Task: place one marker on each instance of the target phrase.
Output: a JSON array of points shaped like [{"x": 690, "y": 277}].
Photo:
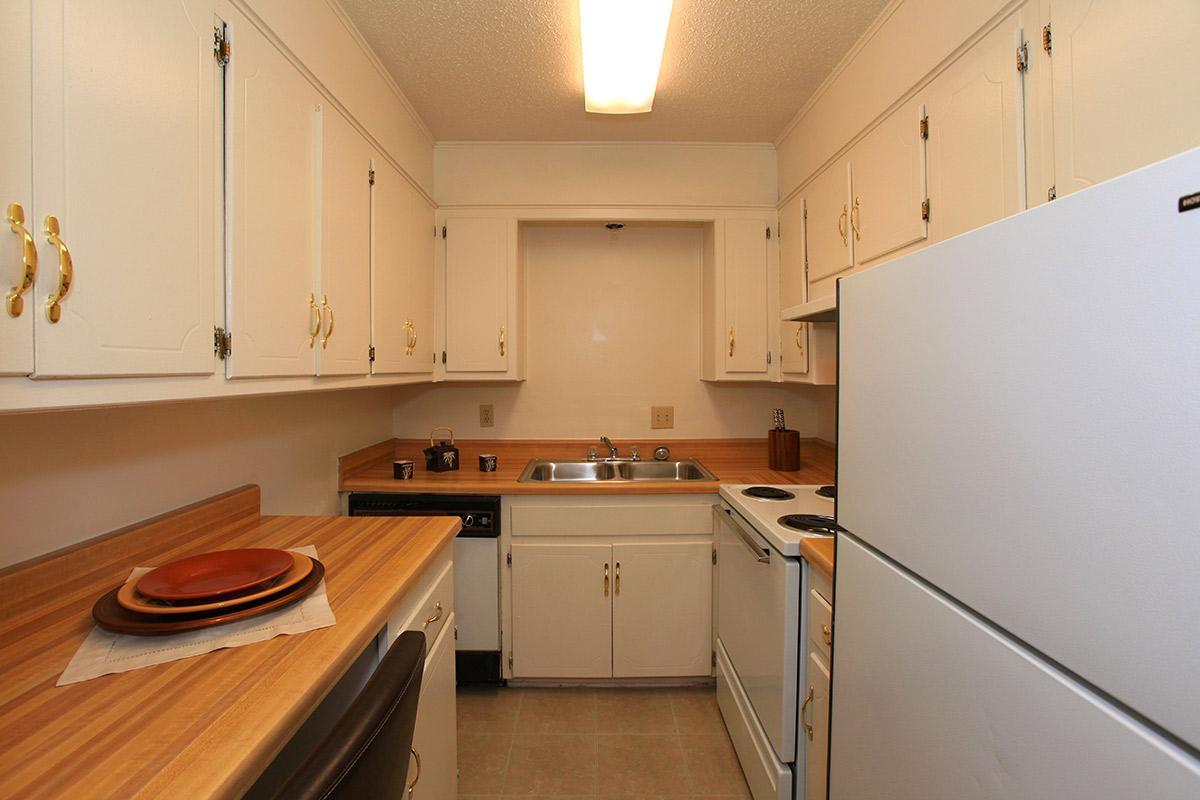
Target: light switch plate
[
  {"x": 487, "y": 415},
  {"x": 662, "y": 416}
]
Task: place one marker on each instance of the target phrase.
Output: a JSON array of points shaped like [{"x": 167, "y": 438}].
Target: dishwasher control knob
[
  {"x": 485, "y": 522},
  {"x": 469, "y": 521}
]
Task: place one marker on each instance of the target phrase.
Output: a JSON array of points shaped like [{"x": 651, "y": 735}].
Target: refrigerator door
[
  {"x": 928, "y": 702},
  {"x": 1019, "y": 425}
]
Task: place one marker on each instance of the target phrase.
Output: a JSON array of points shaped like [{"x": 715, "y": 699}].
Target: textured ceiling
[{"x": 493, "y": 70}]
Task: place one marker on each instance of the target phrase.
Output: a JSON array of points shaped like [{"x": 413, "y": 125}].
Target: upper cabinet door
[
  {"x": 976, "y": 142},
  {"x": 1126, "y": 91},
  {"x": 886, "y": 212},
  {"x": 345, "y": 284},
  {"x": 272, "y": 124},
  {"x": 126, "y": 163},
  {"x": 402, "y": 275},
  {"x": 827, "y": 228},
  {"x": 479, "y": 333},
  {"x": 793, "y": 271},
  {"x": 18, "y": 256},
  {"x": 746, "y": 302}
]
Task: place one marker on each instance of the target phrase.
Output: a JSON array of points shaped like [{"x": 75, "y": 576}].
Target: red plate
[{"x": 214, "y": 574}]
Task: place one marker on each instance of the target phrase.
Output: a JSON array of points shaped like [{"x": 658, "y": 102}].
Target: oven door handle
[{"x": 761, "y": 555}]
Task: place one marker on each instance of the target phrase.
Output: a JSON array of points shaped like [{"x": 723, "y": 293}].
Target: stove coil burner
[
  {"x": 827, "y": 491},
  {"x": 768, "y": 493},
  {"x": 811, "y": 523}
]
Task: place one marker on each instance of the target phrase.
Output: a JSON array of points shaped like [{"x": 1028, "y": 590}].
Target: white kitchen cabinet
[
  {"x": 746, "y": 301},
  {"x": 126, "y": 163},
  {"x": 888, "y": 186},
  {"x": 274, "y": 312},
  {"x": 827, "y": 238},
  {"x": 1125, "y": 87},
  {"x": 562, "y": 610},
  {"x": 344, "y": 281},
  {"x": 815, "y": 714},
  {"x": 435, "y": 737},
  {"x": 976, "y": 137},
  {"x": 482, "y": 332},
  {"x": 793, "y": 263},
  {"x": 402, "y": 233},
  {"x": 18, "y": 252},
  {"x": 662, "y": 609}
]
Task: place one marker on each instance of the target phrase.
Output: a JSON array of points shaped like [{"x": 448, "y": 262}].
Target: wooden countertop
[
  {"x": 819, "y": 553},
  {"x": 200, "y": 727},
  {"x": 731, "y": 460}
]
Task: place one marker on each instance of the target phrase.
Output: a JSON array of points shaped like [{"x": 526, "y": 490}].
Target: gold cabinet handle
[
  {"x": 799, "y": 344},
  {"x": 842, "y": 225},
  {"x": 854, "y": 219},
  {"x": 731, "y": 340},
  {"x": 417, "y": 777},
  {"x": 437, "y": 609},
  {"x": 66, "y": 271},
  {"x": 410, "y": 337},
  {"x": 617, "y": 583},
  {"x": 16, "y": 296},
  {"x": 315, "y": 311},
  {"x": 328, "y": 331},
  {"x": 606, "y": 579},
  {"x": 827, "y": 635},
  {"x": 808, "y": 728},
  {"x": 502, "y": 340}
]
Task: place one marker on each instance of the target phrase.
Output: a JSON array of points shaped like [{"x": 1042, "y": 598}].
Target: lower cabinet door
[
  {"x": 561, "y": 610},
  {"x": 662, "y": 609},
  {"x": 435, "y": 737},
  {"x": 816, "y": 715}
]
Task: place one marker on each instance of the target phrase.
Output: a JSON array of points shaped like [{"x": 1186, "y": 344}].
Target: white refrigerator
[{"x": 1017, "y": 599}]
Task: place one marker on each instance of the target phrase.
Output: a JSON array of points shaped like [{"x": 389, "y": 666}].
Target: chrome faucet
[{"x": 612, "y": 448}]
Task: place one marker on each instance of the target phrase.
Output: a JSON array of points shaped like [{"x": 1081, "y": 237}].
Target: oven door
[{"x": 758, "y": 624}]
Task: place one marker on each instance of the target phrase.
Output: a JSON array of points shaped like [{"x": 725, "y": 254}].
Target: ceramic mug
[
  {"x": 487, "y": 463},
  {"x": 402, "y": 470}
]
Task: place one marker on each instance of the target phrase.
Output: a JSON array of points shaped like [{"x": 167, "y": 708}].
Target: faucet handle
[
  {"x": 592, "y": 453},
  {"x": 633, "y": 453}
]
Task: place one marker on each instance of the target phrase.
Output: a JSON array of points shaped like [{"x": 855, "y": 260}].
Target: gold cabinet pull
[
  {"x": 827, "y": 635},
  {"x": 731, "y": 340},
  {"x": 437, "y": 609},
  {"x": 417, "y": 777},
  {"x": 410, "y": 337},
  {"x": 606, "y": 579},
  {"x": 854, "y": 219},
  {"x": 66, "y": 271},
  {"x": 314, "y": 311},
  {"x": 808, "y": 728},
  {"x": 617, "y": 582},
  {"x": 842, "y": 225},
  {"x": 799, "y": 344},
  {"x": 502, "y": 341},
  {"x": 16, "y": 296},
  {"x": 328, "y": 331}
]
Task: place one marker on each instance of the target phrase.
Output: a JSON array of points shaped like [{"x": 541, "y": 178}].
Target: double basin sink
[{"x": 542, "y": 471}]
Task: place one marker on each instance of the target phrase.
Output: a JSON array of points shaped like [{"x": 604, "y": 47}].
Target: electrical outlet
[
  {"x": 487, "y": 415},
  {"x": 662, "y": 416}
]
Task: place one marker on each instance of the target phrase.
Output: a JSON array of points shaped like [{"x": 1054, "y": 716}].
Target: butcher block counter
[
  {"x": 199, "y": 727},
  {"x": 731, "y": 460}
]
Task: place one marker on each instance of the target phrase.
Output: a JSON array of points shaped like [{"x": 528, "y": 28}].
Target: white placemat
[{"x": 105, "y": 652}]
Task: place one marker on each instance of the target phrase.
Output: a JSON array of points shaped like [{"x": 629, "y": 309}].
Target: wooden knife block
[{"x": 783, "y": 450}]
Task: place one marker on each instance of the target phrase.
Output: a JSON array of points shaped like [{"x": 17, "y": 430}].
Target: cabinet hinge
[
  {"x": 1023, "y": 57},
  {"x": 714, "y": 658},
  {"x": 925, "y": 210},
  {"x": 1046, "y": 43},
  {"x": 768, "y": 231},
  {"x": 443, "y": 357},
  {"x": 371, "y": 176},
  {"x": 508, "y": 558},
  {"x": 714, "y": 555},
  {"x": 221, "y": 48},
  {"x": 510, "y": 662},
  {"x": 443, "y": 231},
  {"x": 1052, "y": 193},
  {"x": 924, "y": 126},
  {"x": 768, "y": 357},
  {"x": 371, "y": 354},
  {"x": 222, "y": 343}
]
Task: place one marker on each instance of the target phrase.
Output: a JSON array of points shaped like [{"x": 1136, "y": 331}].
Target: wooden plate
[
  {"x": 111, "y": 615},
  {"x": 129, "y": 597},
  {"x": 210, "y": 576}
]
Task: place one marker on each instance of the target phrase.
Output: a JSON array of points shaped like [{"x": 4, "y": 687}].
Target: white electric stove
[{"x": 783, "y": 513}]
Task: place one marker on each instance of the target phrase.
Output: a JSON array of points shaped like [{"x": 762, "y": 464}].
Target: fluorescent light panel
[{"x": 623, "y": 44}]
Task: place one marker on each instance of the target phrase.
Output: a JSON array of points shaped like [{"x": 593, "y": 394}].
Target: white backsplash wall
[
  {"x": 613, "y": 328},
  {"x": 71, "y": 475}
]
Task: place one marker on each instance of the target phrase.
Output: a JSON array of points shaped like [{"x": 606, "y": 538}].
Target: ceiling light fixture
[{"x": 623, "y": 44}]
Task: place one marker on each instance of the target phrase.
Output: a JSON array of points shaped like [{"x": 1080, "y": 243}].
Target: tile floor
[{"x": 603, "y": 743}]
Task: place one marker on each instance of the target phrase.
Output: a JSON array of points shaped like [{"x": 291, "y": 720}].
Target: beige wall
[
  {"x": 71, "y": 475},
  {"x": 613, "y": 327},
  {"x": 614, "y": 173}
]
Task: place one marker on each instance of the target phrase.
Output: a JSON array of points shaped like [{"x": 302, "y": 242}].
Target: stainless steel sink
[{"x": 540, "y": 470}]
